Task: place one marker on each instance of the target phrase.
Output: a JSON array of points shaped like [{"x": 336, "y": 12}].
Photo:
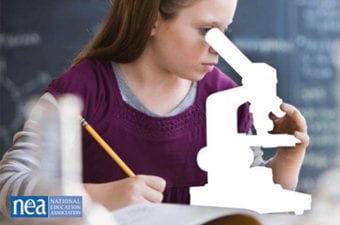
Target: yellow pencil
[{"x": 107, "y": 148}]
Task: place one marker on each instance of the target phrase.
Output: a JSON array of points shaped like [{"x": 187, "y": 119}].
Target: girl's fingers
[
  {"x": 154, "y": 182},
  {"x": 295, "y": 115},
  {"x": 151, "y": 195},
  {"x": 272, "y": 116},
  {"x": 150, "y": 188},
  {"x": 303, "y": 137}
]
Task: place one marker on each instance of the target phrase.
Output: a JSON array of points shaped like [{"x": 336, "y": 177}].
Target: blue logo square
[{"x": 29, "y": 206}]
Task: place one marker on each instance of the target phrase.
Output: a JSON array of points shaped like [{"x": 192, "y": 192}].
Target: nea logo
[{"x": 29, "y": 206}]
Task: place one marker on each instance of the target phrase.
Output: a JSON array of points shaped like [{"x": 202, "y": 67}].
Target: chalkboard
[{"x": 39, "y": 38}]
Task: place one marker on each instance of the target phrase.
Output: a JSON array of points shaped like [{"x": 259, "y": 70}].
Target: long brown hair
[{"x": 126, "y": 30}]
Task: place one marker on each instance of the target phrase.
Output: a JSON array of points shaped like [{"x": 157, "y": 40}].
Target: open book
[{"x": 175, "y": 214}]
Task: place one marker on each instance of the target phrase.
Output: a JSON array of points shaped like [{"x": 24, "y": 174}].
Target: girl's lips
[{"x": 208, "y": 66}]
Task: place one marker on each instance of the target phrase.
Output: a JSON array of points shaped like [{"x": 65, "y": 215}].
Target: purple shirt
[{"x": 165, "y": 147}]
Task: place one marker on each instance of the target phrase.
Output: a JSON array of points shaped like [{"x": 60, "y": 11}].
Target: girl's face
[{"x": 178, "y": 47}]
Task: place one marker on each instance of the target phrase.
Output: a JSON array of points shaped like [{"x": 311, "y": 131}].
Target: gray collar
[{"x": 131, "y": 99}]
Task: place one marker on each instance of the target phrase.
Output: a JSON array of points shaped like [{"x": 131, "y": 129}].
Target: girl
[{"x": 144, "y": 80}]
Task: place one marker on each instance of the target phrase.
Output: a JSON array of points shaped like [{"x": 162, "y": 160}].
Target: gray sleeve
[
  {"x": 258, "y": 159},
  {"x": 22, "y": 160}
]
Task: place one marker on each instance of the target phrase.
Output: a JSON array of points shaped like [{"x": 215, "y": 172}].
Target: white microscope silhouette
[{"x": 227, "y": 157}]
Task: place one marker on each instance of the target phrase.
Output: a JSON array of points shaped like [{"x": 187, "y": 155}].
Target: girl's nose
[{"x": 212, "y": 51}]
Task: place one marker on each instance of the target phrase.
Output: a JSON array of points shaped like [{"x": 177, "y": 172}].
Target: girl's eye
[{"x": 204, "y": 30}]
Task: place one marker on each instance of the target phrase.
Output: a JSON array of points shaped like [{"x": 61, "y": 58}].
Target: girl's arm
[{"x": 20, "y": 162}]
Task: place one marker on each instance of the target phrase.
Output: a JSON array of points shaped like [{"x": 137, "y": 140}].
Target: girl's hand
[
  {"x": 292, "y": 123},
  {"x": 128, "y": 191}
]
